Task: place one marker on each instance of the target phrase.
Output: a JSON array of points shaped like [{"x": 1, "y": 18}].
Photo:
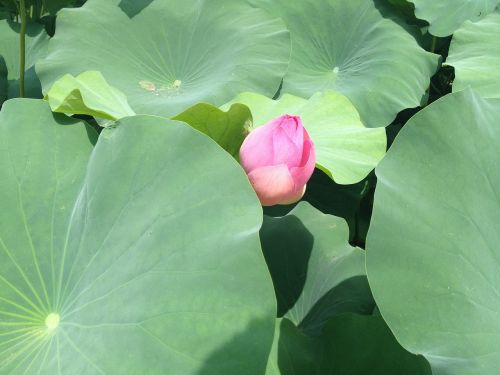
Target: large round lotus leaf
[
  {"x": 316, "y": 273},
  {"x": 345, "y": 149},
  {"x": 475, "y": 55},
  {"x": 36, "y": 47},
  {"x": 172, "y": 54},
  {"x": 446, "y": 16},
  {"x": 348, "y": 46},
  {"x": 433, "y": 259},
  {"x": 146, "y": 260}
]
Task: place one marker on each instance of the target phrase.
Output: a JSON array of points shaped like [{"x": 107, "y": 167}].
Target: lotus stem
[
  {"x": 433, "y": 47},
  {"x": 22, "y": 45}
]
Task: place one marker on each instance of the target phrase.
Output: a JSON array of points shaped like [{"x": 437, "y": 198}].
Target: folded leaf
[
  {"x": 88, "y": 94},
  {"x": 228, "y": 129}
]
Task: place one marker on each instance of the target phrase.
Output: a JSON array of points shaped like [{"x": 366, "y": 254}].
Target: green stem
[
  {"x": 22, "y": 49},
  {"x": 433, "y": 48}
]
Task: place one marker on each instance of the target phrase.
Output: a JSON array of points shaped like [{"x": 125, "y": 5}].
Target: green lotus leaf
[
  {"x": 406, "y": 11},
  {"x": 446, "y": 16},
  {"x": 36, "y": 47},
  {"x": 349, "y": 47},
  {"x": 88, "y": 94},
  {"x": 133, "y": 7},
  {"x": 349, "y": 345},
  {"x": 316, "y": 273},
  {"x": 35, "y": 7},
  {"x": 172, "y": 54},
  {"x": 53, "y": 6},
  {"x": 346, "y": 201},
  {"x": 228, "y": 129},
  {"x": 293, "y": 352},
  {"x": 475, "y": 55},
  {"x": 138, "y": 256},
  {"x": 399, "y": 3},
  {"x": 345, "y": 149},
  {"x": 357, "y": 344},
  {"x": 433, "y": 259},
  {"x": 7, "y": 8}
]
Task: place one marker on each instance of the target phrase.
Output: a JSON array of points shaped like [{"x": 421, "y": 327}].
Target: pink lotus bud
[{"x": 279, "y": 159}]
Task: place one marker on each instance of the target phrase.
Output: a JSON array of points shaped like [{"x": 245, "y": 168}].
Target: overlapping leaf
[
  {"x": 433, "y": 259},
  {"x": 475, "y": 55},
  {"x": 349, "y": 345},
  {"x": 293, "y": 352},
  {"x": 316, "y": 273},
  {"x": 446, "y": 16},
  {"x": 356, "y": 344}
]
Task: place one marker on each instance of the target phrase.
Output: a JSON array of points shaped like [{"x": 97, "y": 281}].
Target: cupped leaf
[
  {"x": 348, "y": 46},
  {"x": 433, "y": 259},
  {"x": 172, "y": 54},
  {"x": 36, "y": 48},
  {"x": 145, "y": 260},
  {"x": 316, "y": 273},
  {"x": 228, "y": 129},
  {"x": 88, "y": 94},
  {"x": 345, "y": 149},
  {"x": 475, "y": 55},
  {"x": 446, "y": 16}
]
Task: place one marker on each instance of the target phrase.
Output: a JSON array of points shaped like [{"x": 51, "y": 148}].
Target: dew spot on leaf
[{"x": 147, "y": 85}]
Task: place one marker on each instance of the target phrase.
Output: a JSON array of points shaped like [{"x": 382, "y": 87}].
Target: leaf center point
[{"x": 52, "y": 321}]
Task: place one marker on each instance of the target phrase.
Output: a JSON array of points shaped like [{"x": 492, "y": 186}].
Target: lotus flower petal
[
  {"x": 275, "y": 185},
  {"x": 279, "y": 159}
]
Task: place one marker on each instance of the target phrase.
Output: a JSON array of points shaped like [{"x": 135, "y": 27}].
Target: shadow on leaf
[
  {"x": 133, "y": 7},
  {"x": 287, "y": 245},
  {"x": 350, "y": 296},
  {"x": 245, "y": 354}
]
